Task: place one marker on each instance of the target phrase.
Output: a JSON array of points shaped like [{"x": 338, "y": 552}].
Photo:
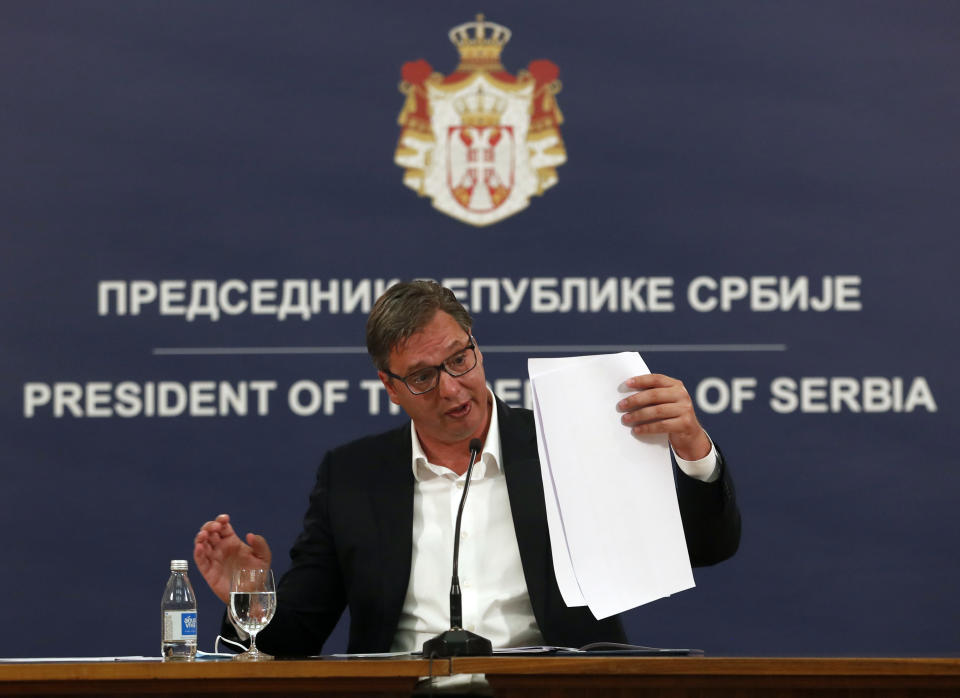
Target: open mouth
[{"x": 459, "y": 411}]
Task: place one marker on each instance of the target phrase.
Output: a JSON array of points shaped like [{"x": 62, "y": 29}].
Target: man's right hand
[{"x": 218, "y": 550}]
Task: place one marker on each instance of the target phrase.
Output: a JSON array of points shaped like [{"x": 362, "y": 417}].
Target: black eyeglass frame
[{"x": 472, "y": 346}]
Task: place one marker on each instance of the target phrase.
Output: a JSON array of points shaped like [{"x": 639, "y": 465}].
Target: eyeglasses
[{"x": 423, "y": 380}]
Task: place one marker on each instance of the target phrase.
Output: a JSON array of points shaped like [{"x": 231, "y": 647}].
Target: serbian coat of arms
[{"x": 480, "y": 141}]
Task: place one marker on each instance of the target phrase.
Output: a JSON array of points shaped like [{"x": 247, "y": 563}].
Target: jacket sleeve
[
  {"x": 311, "y": 595},
  {"x": 711, "y": 518}
]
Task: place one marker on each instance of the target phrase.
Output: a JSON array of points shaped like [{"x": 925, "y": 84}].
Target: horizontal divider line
[{"x": 490, "y": 349}]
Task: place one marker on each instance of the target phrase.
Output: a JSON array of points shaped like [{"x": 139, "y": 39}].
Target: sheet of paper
[
  {"x": 562, "y": 565},
  {"x": 615, "y": 510}
]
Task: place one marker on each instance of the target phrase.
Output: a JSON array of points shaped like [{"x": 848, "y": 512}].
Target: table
[
  {"x": 381, "y": 677},
  {"x": 686, "y": 677},
  {"x": 664, "y": 677}
]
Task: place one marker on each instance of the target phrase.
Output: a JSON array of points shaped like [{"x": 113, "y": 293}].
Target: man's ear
[{"x": 390, "y": 386}]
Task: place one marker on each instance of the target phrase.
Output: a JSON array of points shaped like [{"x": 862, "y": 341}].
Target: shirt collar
[{"x": 489, "y": 464}]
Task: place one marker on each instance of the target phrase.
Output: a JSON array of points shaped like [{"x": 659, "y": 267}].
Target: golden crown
[
  {"x": 479, "y": 43},
  {"x": 480, "y": 109}
]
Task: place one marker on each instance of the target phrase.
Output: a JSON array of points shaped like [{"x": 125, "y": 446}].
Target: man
[{"x": 378, "y": 534}]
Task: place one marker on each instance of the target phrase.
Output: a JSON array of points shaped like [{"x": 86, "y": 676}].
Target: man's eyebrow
[{"x": 453, "y": 352}]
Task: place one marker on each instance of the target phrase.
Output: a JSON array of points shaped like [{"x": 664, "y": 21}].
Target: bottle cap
[{"x": 178, "y": 565}]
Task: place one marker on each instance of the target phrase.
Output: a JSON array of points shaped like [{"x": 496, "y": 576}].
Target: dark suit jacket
[{"x": 356, "y": 544}]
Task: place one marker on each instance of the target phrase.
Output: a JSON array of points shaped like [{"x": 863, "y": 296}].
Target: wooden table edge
[
  {"x": 281, "y": 669},
  {"x": 714, "y": 666}
]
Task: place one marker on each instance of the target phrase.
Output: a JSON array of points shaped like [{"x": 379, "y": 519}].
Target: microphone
[{"x": 457, "y": 642}]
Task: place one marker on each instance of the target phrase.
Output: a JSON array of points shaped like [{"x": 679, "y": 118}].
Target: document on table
[{"x": 611, "y": 501}]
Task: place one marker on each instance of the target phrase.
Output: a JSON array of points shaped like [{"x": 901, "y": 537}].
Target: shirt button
[
  {"x": 460, "y": 484},
  {"x": 463, "y": 535},
  {"x": 471, "y": 627}
]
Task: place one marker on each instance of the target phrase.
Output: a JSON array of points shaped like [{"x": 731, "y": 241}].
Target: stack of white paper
[{"x": 611, "y": 501}]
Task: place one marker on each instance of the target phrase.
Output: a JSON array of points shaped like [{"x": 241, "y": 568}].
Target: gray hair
[{"x": 403, "y": 310}]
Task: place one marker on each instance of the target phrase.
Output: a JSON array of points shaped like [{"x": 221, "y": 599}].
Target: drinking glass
[{"x": 253, "y": 600}]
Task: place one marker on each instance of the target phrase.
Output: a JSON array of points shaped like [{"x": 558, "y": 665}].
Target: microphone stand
[{"x": 457, "y": 642}]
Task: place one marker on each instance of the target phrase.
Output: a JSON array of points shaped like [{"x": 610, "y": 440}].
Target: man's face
[{"x": 457, "y": 409}]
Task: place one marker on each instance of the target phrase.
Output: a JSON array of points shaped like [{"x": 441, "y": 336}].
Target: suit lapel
[
  {"x": 521, "y": 467},
  {"x": 391, "y": 499}
]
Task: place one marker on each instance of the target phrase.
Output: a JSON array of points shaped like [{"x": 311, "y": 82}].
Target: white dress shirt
[
  {"x": 495, "y": 600},
  {"x": 496, "y": 604}
]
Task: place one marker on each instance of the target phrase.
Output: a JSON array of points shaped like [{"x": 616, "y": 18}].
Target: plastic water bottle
[{"x": 178, "y": 611}]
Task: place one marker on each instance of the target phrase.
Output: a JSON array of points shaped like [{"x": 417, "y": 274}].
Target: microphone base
[{"x": 457, "y": 642}]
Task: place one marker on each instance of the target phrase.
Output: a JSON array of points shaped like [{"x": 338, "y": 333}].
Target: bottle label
[{"x": 179, "y": 625}]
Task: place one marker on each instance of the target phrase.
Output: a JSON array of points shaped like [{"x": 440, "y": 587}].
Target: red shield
[{"x": 480, "y": 165}]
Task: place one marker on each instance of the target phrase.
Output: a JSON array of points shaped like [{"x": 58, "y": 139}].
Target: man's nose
[{"x": 448, "y": 385}]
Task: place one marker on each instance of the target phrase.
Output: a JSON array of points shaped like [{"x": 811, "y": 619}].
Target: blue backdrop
[{"x": 159, "y": 160}]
